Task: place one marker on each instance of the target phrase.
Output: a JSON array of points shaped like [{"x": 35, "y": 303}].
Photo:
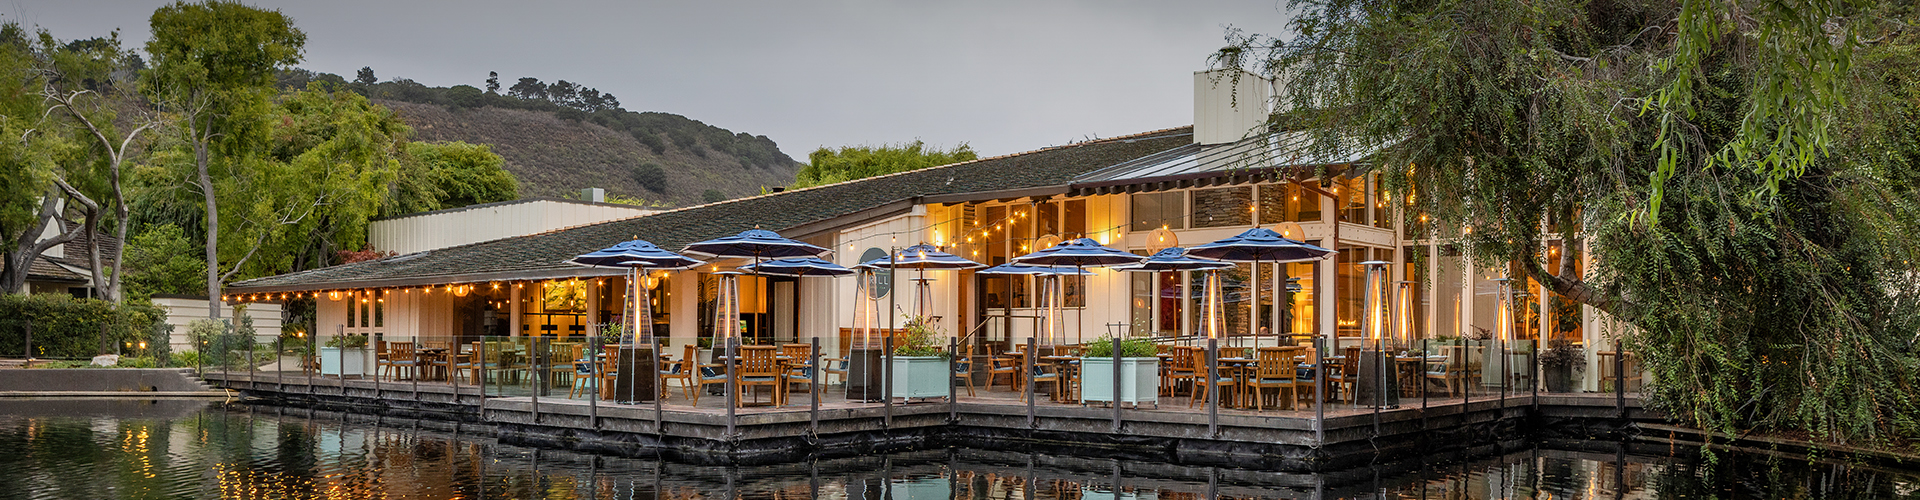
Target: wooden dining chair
[
  {"x": 759, "y": 366},
  {"x": 381, "y": 358},
  {"x": 963, "y": 366},
  {"x": 1180, "y": 370},
  {"x": 1274, "y": 368},
  {"x": 831, "y": 367},
  {"x": 401, "y": 357},
  {"x": 1201, "y": 378},
  {"x": 681, "y": 370},
  {"x": 1348, "y": 380},
  {"x": 1046, "y": 373},
  {"x": 1004, "y": 365},
  {"x": 799, "y": 369}
]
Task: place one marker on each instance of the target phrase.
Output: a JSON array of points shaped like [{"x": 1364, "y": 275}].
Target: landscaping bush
[{"x": 65, "y": 327}]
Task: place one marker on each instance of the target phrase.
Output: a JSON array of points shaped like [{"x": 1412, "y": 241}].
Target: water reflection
[{"x": 270, "y": 453}]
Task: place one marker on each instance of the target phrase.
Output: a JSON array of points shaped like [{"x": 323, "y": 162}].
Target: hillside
[{"x": 557, "y": 157}]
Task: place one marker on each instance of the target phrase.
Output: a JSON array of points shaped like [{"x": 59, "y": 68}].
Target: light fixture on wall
[
  {"x": 462, "y": 290},
  {"x": 1291, "y": 231},
  {"x": 333, "y": 295}
]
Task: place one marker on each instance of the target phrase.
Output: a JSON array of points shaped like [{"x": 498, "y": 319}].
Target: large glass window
[
  {"x": 1382, "y": 209},
  {"x": 1223, "y": 207},
  {"x": 1140, "y": 302},
  {"x": 1235, "y": 296},
  {"x": 1351, "y": 193},
  {"x": 1075, "y": 212},
  {"x": 1048, "y": 218},
  {"x": 1448, "y": 288},
  {"x": 1300, "y": 317},
  {"x": 1150, "y": 211},
  {"x": 1288, "y": 202},
  {"x": 1564, "y": 315}
]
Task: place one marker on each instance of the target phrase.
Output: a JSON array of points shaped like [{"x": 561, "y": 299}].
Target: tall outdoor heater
[
  {"x": 635, "y": 354},
  {"x": 1379, "y": 383}
]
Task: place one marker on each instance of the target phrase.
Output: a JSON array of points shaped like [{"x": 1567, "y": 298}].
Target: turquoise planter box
[
  {"x": 919, "y": 377},
  {"x": 1139, "y": 380},
  {"x": 343, "y": 361}
]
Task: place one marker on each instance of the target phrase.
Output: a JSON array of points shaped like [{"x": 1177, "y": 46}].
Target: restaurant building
[{"x": 1173, "y": 187}]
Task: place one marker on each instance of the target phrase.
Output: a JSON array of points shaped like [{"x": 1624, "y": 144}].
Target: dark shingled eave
[{"x": 796, "y": 213}]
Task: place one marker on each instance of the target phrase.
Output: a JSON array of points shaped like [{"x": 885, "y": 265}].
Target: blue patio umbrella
[
  {"x": 1259, "y": 245},
  {"x": 1177, "y": 259},
  {"x": 798, "y": 267},
  {"x": 1050, "y": 281},
  {"x": 1020, "y": 270},
  {"x": 635, "y": 256},
  {"x": 1080, "y": 253},
  {"x": 756, "y": 244},
  {"x": 1174, "y": 259}
]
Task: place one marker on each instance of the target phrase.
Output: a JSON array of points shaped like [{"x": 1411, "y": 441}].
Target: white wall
[
  {"x": 409, "y": 234},
  {"x": 266, "y": 318}
]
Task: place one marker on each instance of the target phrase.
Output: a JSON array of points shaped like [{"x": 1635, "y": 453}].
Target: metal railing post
[
  {"x": 1116, "y": 390},
  {"x": 886, "y": 383},
  {"x": 29, "y": 353},
  {"x": 252, "y": 370},
  {"x": 1620, "y": 381},
  {"x": 418, "y": 369},
  {"x": 592, "y": 355},
  {"x": 1028, "y": 359},
  {"x": 379, "y": 339},
  {"x": 453, "y": 366},
  {"x": 1213, "y": 387},
  {"x": 1319, "y": 393},
  {"x": 539, "y": 376},
  {"x": 480, "y": 365},
  {"x": 660, "y": 387},
  {"x": 953, "y": 368},
  {"x": 733, "y": 385},
  {"x": 813, "y": 388}
]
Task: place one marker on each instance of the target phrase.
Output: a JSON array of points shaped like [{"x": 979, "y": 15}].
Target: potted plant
[
  {"x": 1557, "y": 363},
  {"x": 919, "y": 368},
  {"x": 1139, "y": 371},
  {"x": 344, "y": 355}
]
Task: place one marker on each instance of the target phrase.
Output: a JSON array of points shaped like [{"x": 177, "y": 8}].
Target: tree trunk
[{"x": 213, "y": 225}]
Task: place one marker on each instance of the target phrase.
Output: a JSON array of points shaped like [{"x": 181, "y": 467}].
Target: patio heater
[
  {"x": 1378, "y": 386},
  {"x": 1212, "y": 310},
  {"x": 1403, "y": 314},
  {"x": 864, "y": 357},
  {"x": 1502, "y": 334}
]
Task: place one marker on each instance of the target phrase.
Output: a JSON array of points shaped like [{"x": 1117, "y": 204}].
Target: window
[
  {"x": 1382, "y": 210},
  {"x": 1048, "y": 218},
  {"x": 1351, "y": 193},
  {"x": 1288, "y": 202},
  {"x": 1300, "y": 316},
  {"x": 1223, "y": 207},
  {"x": 1150, "y": 211},
  {"x": 1076, "y": 217}
]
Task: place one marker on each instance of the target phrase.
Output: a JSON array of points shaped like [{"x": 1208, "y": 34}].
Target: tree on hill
[
  {"x": 365, "y": 76},
  {"x": 650, "y": 176},
  {"x": 713, "y": 196},
  {"x": 828, "y": 166},
  {"x": 1749, "y": 170},
  {"x": 493, "y": 82}
]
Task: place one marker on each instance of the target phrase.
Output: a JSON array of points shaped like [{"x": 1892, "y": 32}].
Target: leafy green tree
[
  {"x": 161, "y": 260},
  {"x": 213, "y": 69},
  {"x": 528, "y": 88},
  {"x": 35, "y": 165},
  {"x": 85, "y": 99},
  {"x": 713, "y": 196},
  {"x": 365, "y": 76},
  {"x": 650, "y": 176},
  {"x": 828, "y": 166},
  {"x": 465, "y": 174},
  {"x": 465, "y": 96},
  {"x": 1746, "y": 173},
  {"x": 493, "y": 82}
]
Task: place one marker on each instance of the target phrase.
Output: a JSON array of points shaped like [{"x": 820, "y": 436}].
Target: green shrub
[
  {"x": 1131, "y": 348},
  {"x": 72, "y": 328},
  {"x": 919, "y": 338}
]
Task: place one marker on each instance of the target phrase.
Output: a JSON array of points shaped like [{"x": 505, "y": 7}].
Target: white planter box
[
  {"x": 1139, "y": 380},
  {"x": 343, "y": 361},
  {"x": 920, "y": 377}
]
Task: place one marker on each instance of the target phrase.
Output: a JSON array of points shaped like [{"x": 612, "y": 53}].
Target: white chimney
[
  {"x": 1224, "y": 109},
  {"x": 595, "y": 195}
]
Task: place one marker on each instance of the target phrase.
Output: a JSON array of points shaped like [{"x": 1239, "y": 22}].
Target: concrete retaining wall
[{"x": 102, "y": 380}]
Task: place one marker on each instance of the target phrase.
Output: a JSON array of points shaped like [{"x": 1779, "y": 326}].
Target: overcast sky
[{"x": 1004, "y": 76}]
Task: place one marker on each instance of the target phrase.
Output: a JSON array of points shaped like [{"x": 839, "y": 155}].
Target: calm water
[{"x": 192, "y": 450}]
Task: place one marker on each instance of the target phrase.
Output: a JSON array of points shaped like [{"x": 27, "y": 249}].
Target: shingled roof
[{"x": 794, "y": 213}]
